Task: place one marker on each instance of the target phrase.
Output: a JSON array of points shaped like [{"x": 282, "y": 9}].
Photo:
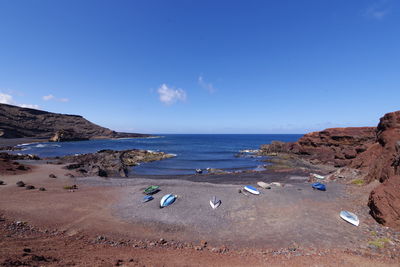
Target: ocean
[{"x": 193, "y": 151}]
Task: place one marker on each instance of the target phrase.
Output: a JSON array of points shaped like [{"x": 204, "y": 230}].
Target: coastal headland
[{"x": 64, "y": 216}]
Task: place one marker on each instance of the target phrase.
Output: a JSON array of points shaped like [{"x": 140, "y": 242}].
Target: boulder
[{"x": 67, "y": 135}]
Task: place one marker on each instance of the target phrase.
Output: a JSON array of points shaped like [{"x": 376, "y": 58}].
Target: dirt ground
[{"x": 104, "y": 221}]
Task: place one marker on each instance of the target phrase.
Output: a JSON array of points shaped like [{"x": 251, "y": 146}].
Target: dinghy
[
  {"x": 215, "y": 203},
  {"x": 147, "y": 199},
  {"x": 319, "y": 186},
  {"x": 264, "y": 185},
  {"x": 318, "y": 176},
  {"x": 167, "y": 200},
  {"x": 350, "y": 217},
  {"x": 251, "y": 189},
  {"x": 151, "y": 190}
]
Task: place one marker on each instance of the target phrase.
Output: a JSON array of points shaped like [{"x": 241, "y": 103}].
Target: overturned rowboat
[
  {"x": 167, "y": 200},
  {"x": 251, "y": 189},
  {"x": 215, "y": 203},
  {"x": 151, "y": 190},
  {"x": 147, "y": 199},
  {"x": 264, "y": 185},
  {"x": 319, "y": 186},
  {"x": 349, "y": 217}
]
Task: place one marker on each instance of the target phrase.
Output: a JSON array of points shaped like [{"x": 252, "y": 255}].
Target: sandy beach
[{"x": 293, "y": 219}]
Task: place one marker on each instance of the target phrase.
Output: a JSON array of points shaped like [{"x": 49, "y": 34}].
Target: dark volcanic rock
[
  {"x": 17, "y": 122},
  {"x": 107, "y": 163},
  {"x": 6, "y": 156},
  {"x": 20, "y": 184}
]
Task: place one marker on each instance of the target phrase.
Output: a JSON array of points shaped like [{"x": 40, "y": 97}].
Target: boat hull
[
  {"x": 251, "y": 190},
  {"x": 167, "y": 200},
  {"x": 349, "y": 217}
]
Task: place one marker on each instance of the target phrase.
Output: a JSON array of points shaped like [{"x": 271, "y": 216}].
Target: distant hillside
[{"x": 17, "y": 122}]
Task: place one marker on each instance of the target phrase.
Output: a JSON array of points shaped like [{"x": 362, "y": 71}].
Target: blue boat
[
  {"x": 147, "y": 199},
  {"x": 167, "y": 200},
  {"x": 319, "y": 186},
  {"x": 251, "y": 189}
]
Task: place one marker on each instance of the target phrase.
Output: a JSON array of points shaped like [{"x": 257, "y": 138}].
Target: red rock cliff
[
  {"x": 382, "y": 162},
  {"x": 337, "y": 146}
]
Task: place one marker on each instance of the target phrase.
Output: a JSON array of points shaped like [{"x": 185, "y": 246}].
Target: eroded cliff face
[
  {"x": 382, "y": 162},
  {"x": 337, "y": 146}
]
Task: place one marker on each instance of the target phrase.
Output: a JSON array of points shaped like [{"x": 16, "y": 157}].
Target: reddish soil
[{"x": 98, "y": 225}]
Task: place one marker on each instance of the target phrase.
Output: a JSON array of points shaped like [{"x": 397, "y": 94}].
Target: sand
[{"x": 283, "y": 217}]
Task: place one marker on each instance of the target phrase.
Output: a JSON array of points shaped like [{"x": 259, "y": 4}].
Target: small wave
[
  {"x": 27, "y": 144},
  {"x": 249, "y": 151},
  {"x": 46, "y": 145}
]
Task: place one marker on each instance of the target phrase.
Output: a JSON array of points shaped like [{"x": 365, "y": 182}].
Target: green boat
[{"x": 151, "y": 190}]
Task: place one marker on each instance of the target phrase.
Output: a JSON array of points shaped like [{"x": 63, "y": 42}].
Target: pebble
[
  {"x": 29, "y": 187},
  {"x": 52, "y": 176},
  {"x": 1, "y": 182},
  {"x": 42, "y": 189}
]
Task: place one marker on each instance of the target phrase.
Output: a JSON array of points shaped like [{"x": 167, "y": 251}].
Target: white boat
[
  {"x": 350, "y": 217},
  {"x": 318, "y": 176},
  {"x": 167, "y": 200},
  {"x": 264, "y": 185},
  {"x": 215, "y": 203},
  {"x": 251, "y": 189}
]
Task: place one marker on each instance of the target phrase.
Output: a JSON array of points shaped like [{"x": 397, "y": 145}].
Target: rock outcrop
[
  {"x": 17, "y": 122},
  {"x": 67, "y": 135},
  {"x": 382, "y": 162},
  {"x": 113, "y": 163},
  {"x": 337, "y": 146}
]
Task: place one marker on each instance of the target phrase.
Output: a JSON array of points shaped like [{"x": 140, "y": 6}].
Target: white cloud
[
  {"x": 29, "y": 106},
  {"x": 169, "y": 95},
  {"x": 208, "y": 86},
  {"x": 377, "y": 10},
  {"x": 48, "y": 97},
  {"x": 52, "y": 97},
  {"x": 8, "y": 99}
]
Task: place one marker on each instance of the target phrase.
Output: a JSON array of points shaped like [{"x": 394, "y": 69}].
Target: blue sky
[{"x": 204, "y": 66}]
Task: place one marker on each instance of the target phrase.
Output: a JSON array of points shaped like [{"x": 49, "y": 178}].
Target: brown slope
[{"x": 17, "y": 122}]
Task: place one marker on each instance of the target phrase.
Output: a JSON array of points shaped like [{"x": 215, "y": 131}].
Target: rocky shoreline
[
  {"x": 110, "y": 163},
  {"x": 369, "y": 153}
]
